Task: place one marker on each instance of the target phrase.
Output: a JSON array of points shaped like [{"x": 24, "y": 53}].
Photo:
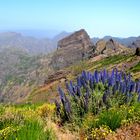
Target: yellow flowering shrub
[
  {"x": 6, "y": 133},
  {"x": 99, "y": 133},
  {"x": 89, "y": 121},
  {"x": 46, "y": 110}
]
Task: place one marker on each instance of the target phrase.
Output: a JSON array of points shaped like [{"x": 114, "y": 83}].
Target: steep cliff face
[
  {"x": 79, "y": 38},
  {"x": 72, "y": 49}
]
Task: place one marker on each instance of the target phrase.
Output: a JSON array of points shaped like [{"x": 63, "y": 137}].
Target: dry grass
[
  {"x": 131, "y": 132},
  {"x": 60, "y": 133}
]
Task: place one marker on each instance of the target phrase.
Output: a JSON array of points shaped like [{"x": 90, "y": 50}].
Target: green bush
[
  {"x": 33, "y": 130},
  {"x": 111, "y": 118}
]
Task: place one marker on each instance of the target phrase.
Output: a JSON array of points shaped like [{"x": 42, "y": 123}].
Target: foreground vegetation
[
  {"x": 24, "y": 123},
  {"x": 95, "y": 105},
  {"x": 99, "y": 103}
]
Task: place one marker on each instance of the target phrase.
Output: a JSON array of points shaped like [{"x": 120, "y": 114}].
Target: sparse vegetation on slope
[{"x": 97, "y": 111}]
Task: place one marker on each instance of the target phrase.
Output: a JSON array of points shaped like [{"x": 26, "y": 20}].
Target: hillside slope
[{"x": 33, "y": 91}]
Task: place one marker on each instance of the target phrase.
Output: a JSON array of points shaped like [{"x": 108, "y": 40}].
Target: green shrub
[
  {"x": 33, "y": 130},
  {"x": 111, "y": 118}
]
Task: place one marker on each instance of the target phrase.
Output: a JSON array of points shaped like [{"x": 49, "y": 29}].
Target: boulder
[
  {"x": 137, "y": 51},
  {"x": 61, "y": 74}
]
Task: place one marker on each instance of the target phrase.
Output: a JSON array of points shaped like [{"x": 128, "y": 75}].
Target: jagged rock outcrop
[
  {"x": 136, "y": 46},
  {"x": 137, "y": 51},
  {"x": 100, "y": 46},
  {"x": 110, "y": 47},
  {"x": 72, "y": 49},
  {"x": 61, "y": 74}
]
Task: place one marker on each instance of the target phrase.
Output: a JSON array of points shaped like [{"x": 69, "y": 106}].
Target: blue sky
[{"x": 98, "y": 17}]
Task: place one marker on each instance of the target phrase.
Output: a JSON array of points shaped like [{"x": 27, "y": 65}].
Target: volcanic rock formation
[
  {"x": 110, "y": 47},
  {"x": 72, "y": 49}
]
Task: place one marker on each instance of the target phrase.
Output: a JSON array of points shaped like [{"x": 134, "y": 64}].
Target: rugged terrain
[
  {"x": 83, "y": 90},
  {"x": 25, "y": 78}
]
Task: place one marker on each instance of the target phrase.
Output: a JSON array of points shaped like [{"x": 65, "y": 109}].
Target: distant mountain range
[
  {"x": 124, "y": 41},
  {"x": 26, "y": 41},
  {"x": 29, "y": 44}
]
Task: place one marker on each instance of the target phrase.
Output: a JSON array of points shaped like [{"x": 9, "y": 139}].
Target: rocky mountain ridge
[
  {"x": 124, "y": 41},
  {"x": 111, "y": 47},
  {"x": 72, "y": 49},
  {"x": 78, "y": 46}
]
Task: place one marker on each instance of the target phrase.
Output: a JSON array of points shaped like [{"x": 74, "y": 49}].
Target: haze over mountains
[
  {"x": 29, "y": 44},
  {"x": 37, "y": 42},
  {"x": 125, "y": 41}
]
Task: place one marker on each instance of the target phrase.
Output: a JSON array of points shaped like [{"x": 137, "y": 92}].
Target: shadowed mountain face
[{"x": 72, "y": 49}]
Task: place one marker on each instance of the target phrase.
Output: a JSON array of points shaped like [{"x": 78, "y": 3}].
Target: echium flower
[
  {"x": 79, "y": 81},
  {"x": 137, "y": 86},
  {"x": 119, "y": 77},
  {"x": 88, "y": 75},
  {"x": 71, "y": 85},
  {"x": 123, "y": 90},
  {"x": 78, "y": 91},
  {"x": 58, "y": 107},
  {"x": 113, "y": 73},
  {"x": 91, "y": 83},
  {"x": 102, "y": 77},
  {"x": 129, "y": 88},
  {"x": 116, "y": 73},
  {"x": 104, "y": 98},
  {"x": 132, "y": 86},
  {"x": 117, "y": 85},
  {"x": 109, "y": 82},
  {"x": 105, "y": 75},
  {"x": 125, "y": 79},
  {"x": 139, "y": 91},
  {"x": 83, "y": 82},
  {"x": 84, "y": 75},
  {"x": 86, "y": 99},
  {"x": 120, "y": 87},
  {"x": 114, "y": 89},
  {"x": 75, "y": 89},
  {"x": 87, "y": 91},
  {"x": 67, "y": 106},
  {"x": 114, "y": 76},
  {"x": 61, "y": 93},
  {"x": 139, "y": 97},
  {"x": 70, "y": 89},
  {"x": 129, "y": 77},
  {"x": 96, "y": 76}
]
